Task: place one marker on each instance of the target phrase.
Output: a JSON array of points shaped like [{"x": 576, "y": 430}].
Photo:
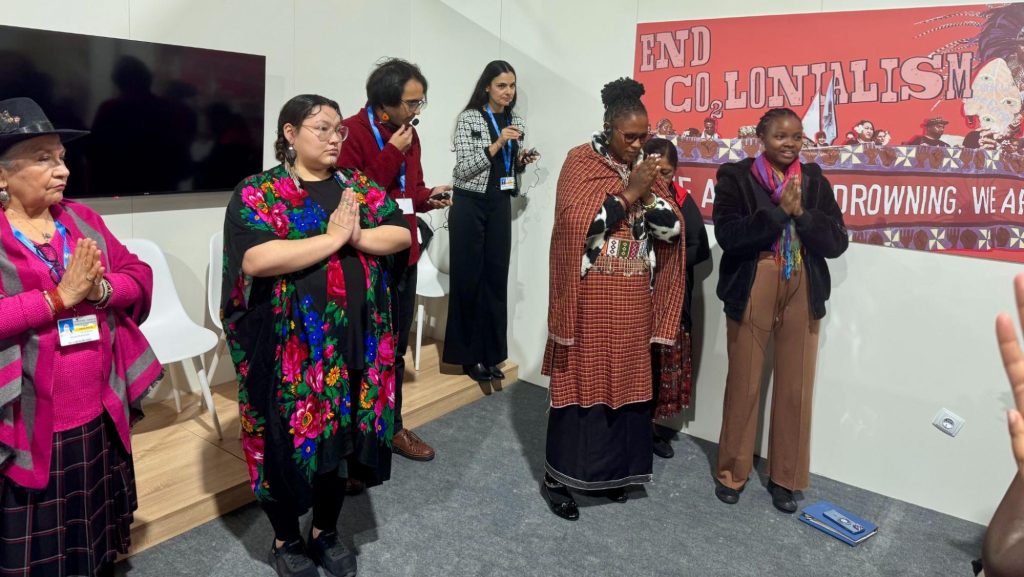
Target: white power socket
[{"x": 948, "y": 422}]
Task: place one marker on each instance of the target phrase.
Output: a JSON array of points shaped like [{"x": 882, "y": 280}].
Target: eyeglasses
[
  {"x": 323, "y": 132},
  {"x": 630, "y": 137},
  {"x": 415, "y": 105},
  {"x": 49, "y": 254}
]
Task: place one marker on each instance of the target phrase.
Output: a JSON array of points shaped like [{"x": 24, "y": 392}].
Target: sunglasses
[{"x": 53, "y": 261}]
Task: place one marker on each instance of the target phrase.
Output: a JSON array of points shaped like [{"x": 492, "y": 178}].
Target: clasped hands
[
  {"x": 792, "y": 198},
  {"x": 83, "y": 274},
  {"x": 343, "y": 225}
]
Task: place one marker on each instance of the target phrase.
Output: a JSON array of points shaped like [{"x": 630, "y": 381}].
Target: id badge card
[
  {"x": 406, "y": 205},
  {"x": 83, "y": 329},
  {"x": 507, "y": 183}
]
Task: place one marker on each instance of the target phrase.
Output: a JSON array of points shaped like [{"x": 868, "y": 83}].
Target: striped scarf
[
  {"x": 787, "y": 247},
  {"x": 27, "y": 359}
]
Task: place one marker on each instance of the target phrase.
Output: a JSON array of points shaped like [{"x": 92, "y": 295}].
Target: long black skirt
[
  {"x": 82, "y": 519},
  {"x": 597, "y": 448}
]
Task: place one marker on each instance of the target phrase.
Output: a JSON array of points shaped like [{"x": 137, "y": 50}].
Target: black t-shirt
[{"x": 327, "y": 193}]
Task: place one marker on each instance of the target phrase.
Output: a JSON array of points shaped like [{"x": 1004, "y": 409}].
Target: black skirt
[
  {"x": 597, "y": 448},
  {"x": 82, "y": 519}
]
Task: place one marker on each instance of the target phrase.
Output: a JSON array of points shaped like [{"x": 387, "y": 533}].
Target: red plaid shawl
[{"x": 585, "y": 182}]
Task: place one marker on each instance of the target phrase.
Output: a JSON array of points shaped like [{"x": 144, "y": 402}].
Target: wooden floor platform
[{"x": 186, "y": 476}]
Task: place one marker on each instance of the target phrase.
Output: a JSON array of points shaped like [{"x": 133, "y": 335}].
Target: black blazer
[{"x": 747, "y": 222}]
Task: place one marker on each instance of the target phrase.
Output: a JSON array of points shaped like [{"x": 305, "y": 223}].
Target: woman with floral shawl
[{"x": 307, "y": 312}]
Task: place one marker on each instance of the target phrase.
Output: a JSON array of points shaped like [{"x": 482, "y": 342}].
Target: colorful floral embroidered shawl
[{"x": 296, "y": 402}]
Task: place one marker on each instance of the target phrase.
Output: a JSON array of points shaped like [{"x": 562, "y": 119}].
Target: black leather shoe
[
  {"x": 560, "y": 501},
  {"x": 782, "y": 498},
  {"x": 495, "y": 372},
  {"x": 726, "y": 495},
  {"x": 291, "y": 560},
  {"x": 663, "y": 448},
  {"x": 478, "y": 372},
  {"x": 619, "y": 495},
  {"x": 354, "y": 486},
  {"x": 331, "y": 554}
]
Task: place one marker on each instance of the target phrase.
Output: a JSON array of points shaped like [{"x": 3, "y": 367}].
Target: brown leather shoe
[{"x": 410, "y": 446}]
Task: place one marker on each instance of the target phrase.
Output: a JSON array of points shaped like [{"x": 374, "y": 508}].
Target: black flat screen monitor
[{"x": 164, "y": 118}]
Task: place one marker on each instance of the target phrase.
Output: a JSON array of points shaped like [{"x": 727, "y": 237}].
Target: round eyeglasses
[
  {"x": 323, "y": 132},
  {"x": 416, "y": 105}
]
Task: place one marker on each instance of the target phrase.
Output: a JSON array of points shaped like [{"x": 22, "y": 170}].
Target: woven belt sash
[{"x": 623, "y": 257}]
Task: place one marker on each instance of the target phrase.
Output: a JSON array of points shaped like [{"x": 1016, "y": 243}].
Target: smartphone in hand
[{"x": 441, "y": 196}]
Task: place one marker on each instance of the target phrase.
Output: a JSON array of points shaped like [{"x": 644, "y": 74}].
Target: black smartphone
[{"x": 441, "y": 196}]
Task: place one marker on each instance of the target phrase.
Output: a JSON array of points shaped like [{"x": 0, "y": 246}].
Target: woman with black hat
[{"x": 67, "y": 485}]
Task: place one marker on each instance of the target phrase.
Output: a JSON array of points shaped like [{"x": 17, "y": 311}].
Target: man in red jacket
[{"x": 383, "y": 145}]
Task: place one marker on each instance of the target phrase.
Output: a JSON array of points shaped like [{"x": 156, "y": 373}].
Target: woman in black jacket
[
  {"x": 672, "y": 365},
  {"x": 777, "y": 221}
]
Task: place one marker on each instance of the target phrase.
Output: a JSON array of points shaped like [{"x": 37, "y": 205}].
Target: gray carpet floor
[{"x": 476, "y": 510}]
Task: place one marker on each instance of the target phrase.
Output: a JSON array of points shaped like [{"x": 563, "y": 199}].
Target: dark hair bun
[{"x": 621, "y": 91}]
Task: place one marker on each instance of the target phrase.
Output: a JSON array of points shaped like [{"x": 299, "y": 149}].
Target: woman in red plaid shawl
[{"x": 612, "y": 224}]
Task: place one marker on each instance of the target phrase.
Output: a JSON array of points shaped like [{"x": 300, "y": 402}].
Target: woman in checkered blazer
[{"x": 488, "y": 161}]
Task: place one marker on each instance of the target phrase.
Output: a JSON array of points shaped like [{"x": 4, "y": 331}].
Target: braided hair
[
  {"x": 773, "y": 114},
  {"x": 622, "y": 98}
]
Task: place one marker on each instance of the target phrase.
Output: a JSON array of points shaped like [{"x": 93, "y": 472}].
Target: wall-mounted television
[{"x": 163, "y": 118}]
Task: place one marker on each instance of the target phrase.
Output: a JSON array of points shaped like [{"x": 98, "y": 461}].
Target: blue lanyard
[
  {"x": 62, "y": 231},
  {"x": 380, "y": 145},
  {"x": 506, "y": 151}
]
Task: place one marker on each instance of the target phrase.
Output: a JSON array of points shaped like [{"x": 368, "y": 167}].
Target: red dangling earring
[{"x": 385, "y": 117}]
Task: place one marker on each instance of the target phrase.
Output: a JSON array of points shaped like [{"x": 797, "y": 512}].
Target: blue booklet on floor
[{"x": 839, "y": 523}]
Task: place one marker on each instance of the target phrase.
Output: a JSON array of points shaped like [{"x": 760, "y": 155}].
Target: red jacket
[{"x": 360, "y": 151}]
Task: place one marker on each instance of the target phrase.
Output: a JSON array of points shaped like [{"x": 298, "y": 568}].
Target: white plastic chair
[
  {"x": 214, "y": 280},
  {"x": 430, "y": 283},
  {"x": 170, "y": 331}
]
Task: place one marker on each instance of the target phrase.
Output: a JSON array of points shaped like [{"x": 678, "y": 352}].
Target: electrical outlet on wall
[{"x": 948, "y": 422}]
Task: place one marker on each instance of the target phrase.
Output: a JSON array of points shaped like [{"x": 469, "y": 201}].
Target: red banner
[{"x": 914, "y": 114}]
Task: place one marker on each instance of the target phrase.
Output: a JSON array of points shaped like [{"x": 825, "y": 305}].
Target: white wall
[{"x": 907, "y": 332}]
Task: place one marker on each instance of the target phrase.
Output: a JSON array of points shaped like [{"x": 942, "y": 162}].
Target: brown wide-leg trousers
[{"x": 781, "y": 308}]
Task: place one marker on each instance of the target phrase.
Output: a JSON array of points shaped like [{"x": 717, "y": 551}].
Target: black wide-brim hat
[{"x": 22, "y": 119}]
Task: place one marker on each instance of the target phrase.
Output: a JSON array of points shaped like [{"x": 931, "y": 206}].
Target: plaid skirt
[{"x": 82, "y": 520}]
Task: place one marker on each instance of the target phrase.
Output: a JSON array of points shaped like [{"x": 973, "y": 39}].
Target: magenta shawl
[{"x": 27, "y": 358}]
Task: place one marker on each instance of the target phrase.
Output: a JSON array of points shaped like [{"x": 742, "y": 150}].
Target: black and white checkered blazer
[{"x": 472, "y": 160}]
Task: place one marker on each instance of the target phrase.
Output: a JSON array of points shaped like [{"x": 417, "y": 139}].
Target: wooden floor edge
[{"x": 211, "y": 507}]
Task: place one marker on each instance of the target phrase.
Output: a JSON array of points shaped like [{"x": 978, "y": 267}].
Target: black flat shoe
[
  {"x": 726, "y": 495},
  {"x": 619, "y": 495},
  {"x": 560, "y": 501},
  {"x": 663, "y": 448},
  {"x": 782, "y": 498},
  {"x": 496, "y": 373},
  {"x": 329, "y": 552},
  {"x": 478, "y": 372},
  {"x": 291, "y": 560}
]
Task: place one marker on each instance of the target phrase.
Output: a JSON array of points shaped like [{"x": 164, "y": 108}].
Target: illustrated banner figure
[{"x": 914, "y": 114}]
